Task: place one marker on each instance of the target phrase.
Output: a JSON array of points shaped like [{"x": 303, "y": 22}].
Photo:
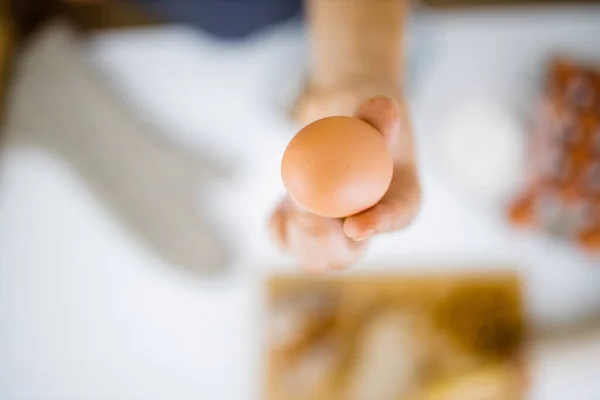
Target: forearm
[
  {"x": 355, "y": 41},
  {"x": 356, "y": 53}
]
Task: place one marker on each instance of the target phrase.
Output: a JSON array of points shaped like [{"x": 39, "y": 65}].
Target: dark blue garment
[{"x": 227, "y": 18}]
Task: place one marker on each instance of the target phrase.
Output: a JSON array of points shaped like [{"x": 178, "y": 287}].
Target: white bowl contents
[{"x": 482, "y": 145}]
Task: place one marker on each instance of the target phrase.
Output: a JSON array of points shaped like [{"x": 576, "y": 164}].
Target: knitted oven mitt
[{"x": 58, "y": 103}]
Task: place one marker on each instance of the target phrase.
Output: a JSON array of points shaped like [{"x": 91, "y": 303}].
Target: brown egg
[{"x": 337, "y": 166}]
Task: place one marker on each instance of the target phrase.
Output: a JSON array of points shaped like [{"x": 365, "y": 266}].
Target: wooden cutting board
[{"x": 469, "y": 325}]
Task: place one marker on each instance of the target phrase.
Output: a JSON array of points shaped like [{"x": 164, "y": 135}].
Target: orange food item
[
  {"x": 337, "y": 166},
  {"x": 563, "y": 194}
]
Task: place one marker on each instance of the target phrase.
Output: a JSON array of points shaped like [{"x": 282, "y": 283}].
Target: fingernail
[{"x": 367, "y": 235}]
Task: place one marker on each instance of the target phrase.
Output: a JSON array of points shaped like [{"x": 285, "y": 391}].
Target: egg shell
[{"x": 337, "y": 166}]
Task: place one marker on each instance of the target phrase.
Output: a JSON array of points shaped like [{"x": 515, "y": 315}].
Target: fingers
[
  {"x": 278, "y": 225},
  {"x": 324, "y": 244},
  {"x": 336, "y": 253},
  {"x": 395, "y": 211},
  {"x": 318, "y": 243},
  {"x": 400, "y": 204},
  {"x": 390, "y": 118},
  {"x": 382, "y": 113}
]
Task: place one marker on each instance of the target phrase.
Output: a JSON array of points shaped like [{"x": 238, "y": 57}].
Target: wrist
[{"x": 318, "y": 102}]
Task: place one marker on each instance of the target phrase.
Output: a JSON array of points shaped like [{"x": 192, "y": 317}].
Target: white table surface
[{"x": 87, "y": 313}]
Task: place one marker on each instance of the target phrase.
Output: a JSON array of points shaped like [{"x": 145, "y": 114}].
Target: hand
[{"x": 324, "y": 243}]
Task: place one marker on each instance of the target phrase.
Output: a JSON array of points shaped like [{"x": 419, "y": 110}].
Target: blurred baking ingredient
[
  {"x": 311, "y": 372},
  {"x": 306, "y": 315},
  {"x": 337, "y": 166},
  {"x": 378, "y": 371},
  {"x": 347, "y": 65},
  {"x": 458, "y": 315},
  {"x": 402, "y": 337},
  {"x": 562, "y": 195},
  {"x": 494, "y": 382},
  {"x": 482, "y": 146},
  {"x": 149, "y": 185}
]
